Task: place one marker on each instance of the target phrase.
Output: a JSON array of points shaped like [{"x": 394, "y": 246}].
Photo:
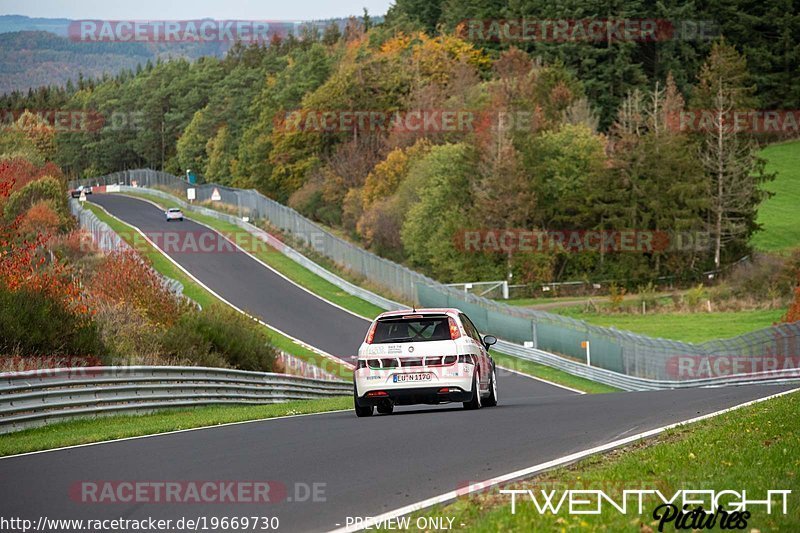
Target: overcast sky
[{"x": 193, "y": 9}]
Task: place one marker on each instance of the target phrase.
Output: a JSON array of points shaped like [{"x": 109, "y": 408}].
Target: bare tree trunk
[{"x": 720, "y": 190}]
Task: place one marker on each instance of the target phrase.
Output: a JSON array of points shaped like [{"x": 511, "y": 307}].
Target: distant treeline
[{"x": 405, "y": 134}]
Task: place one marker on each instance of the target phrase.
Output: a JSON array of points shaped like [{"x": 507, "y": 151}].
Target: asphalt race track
[
  {"x": 365, "y": 466},
  {"x": 242, "y": 280}
]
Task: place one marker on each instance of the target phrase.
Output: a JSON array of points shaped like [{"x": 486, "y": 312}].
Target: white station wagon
[{"x": 423, "y": 356}]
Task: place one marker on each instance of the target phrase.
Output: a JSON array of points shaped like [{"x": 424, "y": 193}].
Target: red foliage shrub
[
  {"x": 124, "y": 278},
  {"x": 40, "y": 218},
  {"x": 23, "y": 260},
  {"x": 21, "y": 172}
]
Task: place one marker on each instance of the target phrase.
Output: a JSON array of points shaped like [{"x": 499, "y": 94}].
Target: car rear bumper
[
  {"x": 448, "y": 384},
  {"x": 415, "y": 396}
]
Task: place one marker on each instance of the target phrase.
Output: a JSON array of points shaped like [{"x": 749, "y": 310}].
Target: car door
[{"x": 484, "y": 364}]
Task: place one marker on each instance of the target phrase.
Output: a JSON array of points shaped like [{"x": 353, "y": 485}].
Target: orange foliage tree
[
  {"x": 125, "y": 279},
  {"x": 40, "y": 218},
  {"x": 24, "y": 261},
  {"x": 20, "y": 172}
]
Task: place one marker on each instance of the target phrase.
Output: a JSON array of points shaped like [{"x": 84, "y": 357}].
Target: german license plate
[{"x": 402, "y": 378}]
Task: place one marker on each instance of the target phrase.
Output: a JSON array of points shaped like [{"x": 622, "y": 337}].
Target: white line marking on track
[
  {"x": 525, "y": 472},
  {"x": 541, "y": 379}
]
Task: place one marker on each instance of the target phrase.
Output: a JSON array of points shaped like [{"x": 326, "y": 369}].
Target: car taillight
[
  {"x": 371, "y": 333},
  {"x": 454, "y": 332},
  {"x": 466, "y": 358}
]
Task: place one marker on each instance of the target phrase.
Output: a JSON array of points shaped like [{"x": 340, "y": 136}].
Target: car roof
[
  {"x": 424, "y": 311},
  {"x": 174, "y": 209}
]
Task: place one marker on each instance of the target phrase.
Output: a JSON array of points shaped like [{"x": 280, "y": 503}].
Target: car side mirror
[{"x": 489, "y": 340}]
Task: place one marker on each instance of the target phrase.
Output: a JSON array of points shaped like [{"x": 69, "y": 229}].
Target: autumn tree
[{"x": 733, "y": 168}]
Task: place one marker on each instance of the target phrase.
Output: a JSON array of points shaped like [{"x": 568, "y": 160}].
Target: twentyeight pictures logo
[
  {"x": 181, "y": 31},
  {"x": 683, "y": 509}
]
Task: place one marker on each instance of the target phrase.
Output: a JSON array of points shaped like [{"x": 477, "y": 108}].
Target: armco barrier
[
  {"x": 38, "y": 397},
  {"x": 625, "y": 353},
  {"x": 632, "y": 383}
]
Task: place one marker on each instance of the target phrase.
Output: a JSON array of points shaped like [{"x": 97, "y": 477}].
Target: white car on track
[
  {"x": 423, "y": 356},
  {"x": 174, "y": 213}
]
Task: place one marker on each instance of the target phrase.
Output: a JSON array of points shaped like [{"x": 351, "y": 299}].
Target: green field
[
  {"x": 780, "y": 215},
  {"x": 550, "y": 374},
  {"x": 690, "y": 327},
  {"x": 118, "y": 427},
  {"x": 752, "y": 448}
]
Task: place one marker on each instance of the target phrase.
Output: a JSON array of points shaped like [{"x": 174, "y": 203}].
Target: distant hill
[
  {"x": 35, "y": 58},
  {"x": 37, "y": 51},
  {"x": 14, "y": 23}
]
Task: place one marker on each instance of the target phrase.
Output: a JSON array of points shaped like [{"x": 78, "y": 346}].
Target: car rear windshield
[
  {"x": 174, "y": 210},
  {"x": 417, "y": 329}
]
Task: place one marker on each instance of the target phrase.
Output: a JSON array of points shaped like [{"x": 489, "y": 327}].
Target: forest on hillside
[{"x": 519, "y": 136}]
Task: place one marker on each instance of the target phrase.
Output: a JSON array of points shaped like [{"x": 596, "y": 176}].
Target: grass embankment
[
  {"x": 779, "y": 214},
  {"x": 200, "y": 295},
  {"x": 118, "y": 427},
  {"x": 689, "y": 327},
  {"x": 550, "y": 374},
  {"x": 317, "y": 285},
  {"x": 752, "y": 448}
]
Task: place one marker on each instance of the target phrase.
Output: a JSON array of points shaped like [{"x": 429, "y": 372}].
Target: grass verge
[
  {"x": 199, "y": 294},
  {"x": 778, "y": 215},
  {"x": 752, "y": 448},
  {"x": 689, "y": 327},
  {"x": 550, "y": 374},
  {"x": 117, "y": 427}
]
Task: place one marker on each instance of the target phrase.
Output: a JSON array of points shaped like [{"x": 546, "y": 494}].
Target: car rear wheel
[
  {"x": 491, "y": 401},
  {"x": 361, "y": 411},
  {"x": 475, "y": 402}
]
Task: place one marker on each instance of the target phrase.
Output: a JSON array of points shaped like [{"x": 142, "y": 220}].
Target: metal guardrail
[
  {"x": 633, "y": 383},
  {"x": 37, "y": 397}
]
